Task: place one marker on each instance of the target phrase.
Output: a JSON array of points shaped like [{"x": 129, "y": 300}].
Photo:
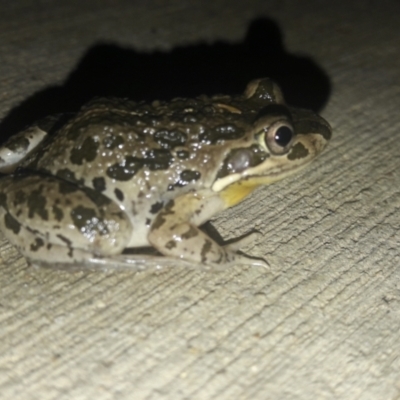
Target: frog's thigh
[
  {"x": 41, "y": 253},
  {"x": 38, "y": 213},
  {"x": 174, "y": 234}
]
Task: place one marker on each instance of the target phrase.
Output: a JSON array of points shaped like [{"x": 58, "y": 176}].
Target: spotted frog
[{"x": 83, "y": 189}]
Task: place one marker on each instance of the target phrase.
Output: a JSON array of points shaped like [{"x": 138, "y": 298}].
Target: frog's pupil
[{"x": 283, "y": 136}]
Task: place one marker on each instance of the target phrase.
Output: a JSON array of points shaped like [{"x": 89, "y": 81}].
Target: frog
[{"x": 85, "y": 188}]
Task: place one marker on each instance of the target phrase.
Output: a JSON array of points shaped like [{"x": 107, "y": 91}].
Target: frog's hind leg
[
  {"x": 53, "y": 221},
  {"x": 174, "y": 233},
  {"x": 38, "y": 251}
]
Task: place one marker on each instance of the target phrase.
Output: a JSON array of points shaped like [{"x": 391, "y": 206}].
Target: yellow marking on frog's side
[{"x": 235, "y": 193}]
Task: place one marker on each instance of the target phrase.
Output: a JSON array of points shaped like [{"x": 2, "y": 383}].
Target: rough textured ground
[{"x": 324, "y": 322}]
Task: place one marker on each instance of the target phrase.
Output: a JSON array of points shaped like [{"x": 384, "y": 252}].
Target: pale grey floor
[{"x": 324, "y": 322}]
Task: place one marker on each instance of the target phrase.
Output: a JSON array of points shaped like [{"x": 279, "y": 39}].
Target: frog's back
[{"x": 119, "y": 146}]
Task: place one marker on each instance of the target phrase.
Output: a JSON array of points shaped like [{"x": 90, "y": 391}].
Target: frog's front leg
[
  {"x": 174, "y": 232},
  {"x": 53, "y": 222}
]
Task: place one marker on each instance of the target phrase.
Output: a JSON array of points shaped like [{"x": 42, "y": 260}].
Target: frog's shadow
[{"x": 110, "y": 70}]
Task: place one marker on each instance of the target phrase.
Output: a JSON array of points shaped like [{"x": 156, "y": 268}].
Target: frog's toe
[
  {"x": 246, "y": 240},
  {"x": 244, "y": 259}
]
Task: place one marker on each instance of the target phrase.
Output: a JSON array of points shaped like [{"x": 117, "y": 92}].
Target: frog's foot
[
  {"x": 84, "y": 261},
  {"x": 241, "y": 258},
  {"x": 236, "y": 245},
  {"x": 145, "y": 261},
  {"x": 148, "y": 262},
  {"x": 140, "y": 262},
  {"x": 244, "y": 241}
]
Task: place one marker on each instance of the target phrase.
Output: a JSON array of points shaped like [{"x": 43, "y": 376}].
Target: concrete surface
[{"x": 324, "y": 322}]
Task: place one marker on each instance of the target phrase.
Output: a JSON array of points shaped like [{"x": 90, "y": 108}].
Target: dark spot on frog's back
[
  {"x": 191, "y": 118},
  {"x": 37, "y": 244},
  {"x": 155, "y": 159},
  {"x": 222, "y": 132},
  {"x": 86, "y": 152},
  {"x": 188, "y": 176},
  {"x": 119, "y": 194},
  {"x": 58, "y": 213},
  {"x": 37, "y": 204},
  {"x": 156, "y": 207},
  {"x": 112, "y": 141},
  {"x": 168, "y": 139},
  {"x": 11, "y": 223},
  {"x": 158, "y": 159},
  {"x": 99, "y": 184},
  {"x": 125, "y": 170}
]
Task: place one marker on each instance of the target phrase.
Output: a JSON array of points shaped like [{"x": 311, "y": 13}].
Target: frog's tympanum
[{"x": 121, "y": 174}]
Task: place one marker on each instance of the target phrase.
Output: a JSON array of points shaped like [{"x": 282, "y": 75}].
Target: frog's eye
[{"x": 279, "y": 137}]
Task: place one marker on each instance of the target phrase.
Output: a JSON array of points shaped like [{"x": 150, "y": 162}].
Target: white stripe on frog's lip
[
  {"x": 274, "y": 175},
  {"x": 222, "y": 183}
]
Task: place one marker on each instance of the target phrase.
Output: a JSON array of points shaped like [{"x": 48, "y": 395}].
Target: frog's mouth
[
  {"x": 275, "y": 168},
  {"x": 253, "y": 179}
]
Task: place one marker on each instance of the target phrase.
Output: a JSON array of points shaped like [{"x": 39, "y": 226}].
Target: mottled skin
[{"x": 122, "y": 175}]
